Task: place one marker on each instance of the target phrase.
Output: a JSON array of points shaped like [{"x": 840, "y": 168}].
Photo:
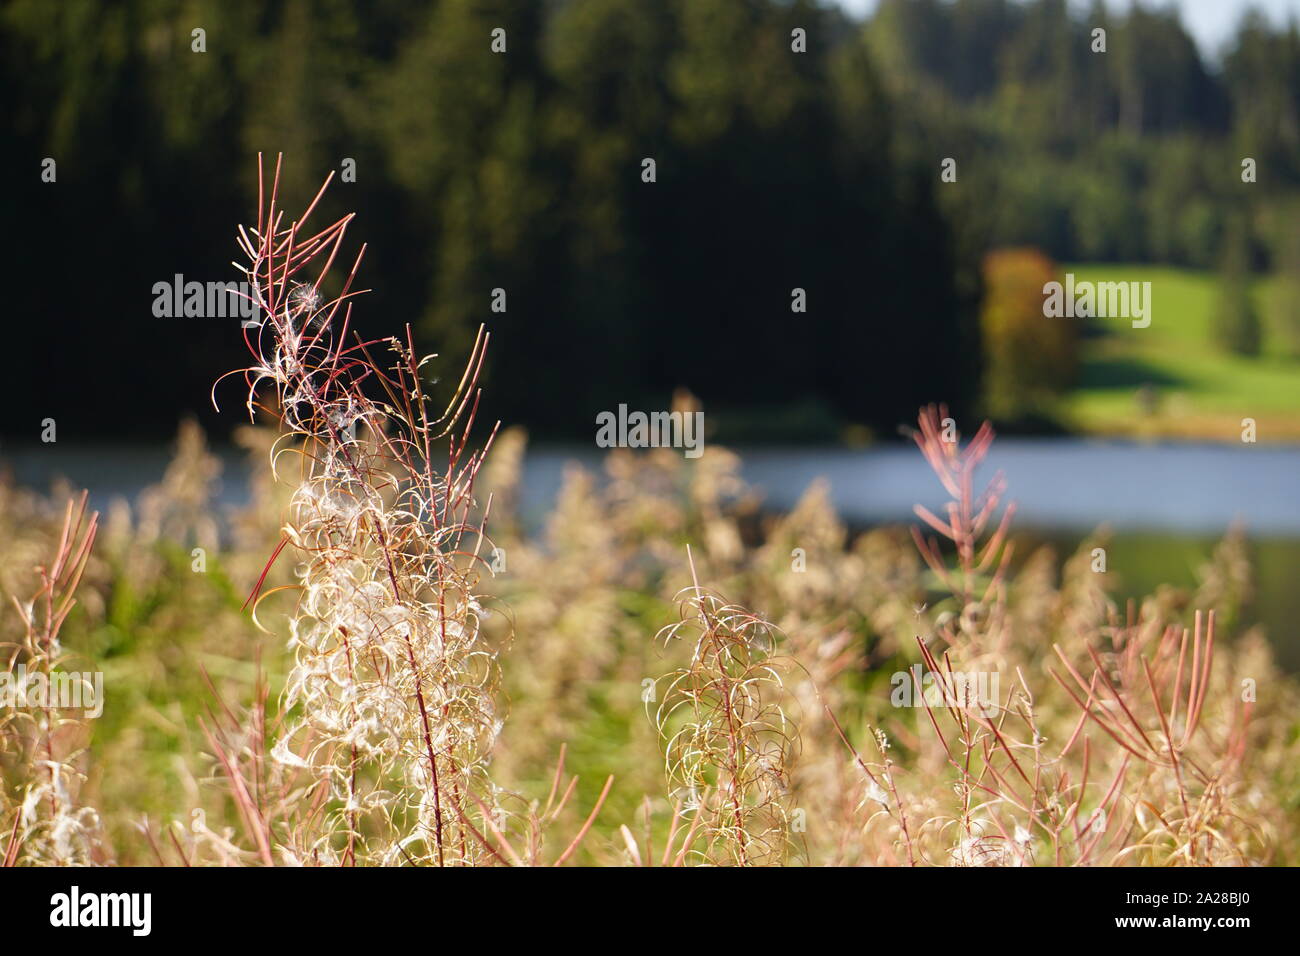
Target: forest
[{"x": 793, "y": 148}]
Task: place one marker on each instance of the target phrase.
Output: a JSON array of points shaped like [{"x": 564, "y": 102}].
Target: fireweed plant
[
  {"x": 44, "y": 743},
  {"x": 728, "y": 738},
  {"x": 392, "y": 685},
  {"x": 1132, "y": 781}
]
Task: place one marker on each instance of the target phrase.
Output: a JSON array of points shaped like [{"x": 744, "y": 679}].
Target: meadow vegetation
[{"x": 373, "y": 663}]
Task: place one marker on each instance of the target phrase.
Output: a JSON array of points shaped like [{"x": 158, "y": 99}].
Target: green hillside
[{"x": 1170, "y": 378}]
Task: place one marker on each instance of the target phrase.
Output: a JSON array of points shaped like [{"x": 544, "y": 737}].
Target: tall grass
[
  {"x": 43, "y": 741},
  {"x": 652, "y": 680}
]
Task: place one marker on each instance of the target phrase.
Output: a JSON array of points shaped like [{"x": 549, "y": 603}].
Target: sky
[{"x": 1210, "y": 22}]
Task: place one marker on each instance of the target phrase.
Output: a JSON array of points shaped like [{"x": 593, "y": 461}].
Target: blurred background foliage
[
  {"x": 522, "y": 171},
  {"x": 1029, "y": 359}
]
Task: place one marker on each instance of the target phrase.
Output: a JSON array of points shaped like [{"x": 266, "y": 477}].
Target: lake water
[
  {"x": 1167, "y": 504},
  {"x": 1072, "y": 484}
]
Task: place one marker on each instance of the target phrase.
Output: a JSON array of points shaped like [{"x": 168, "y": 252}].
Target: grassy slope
[{"x": 1204, "y": 393}]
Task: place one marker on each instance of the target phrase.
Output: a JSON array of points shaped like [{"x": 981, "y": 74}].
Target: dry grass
[
  {"x": 49, "y": 825},
  {"x": 590, "y": 700}
]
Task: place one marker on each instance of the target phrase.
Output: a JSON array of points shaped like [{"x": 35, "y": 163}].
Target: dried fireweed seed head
[
  {"x": 392, "y": 695},
  {"x": 304, "y": 306},
  {"x": 729, "y": 732}
]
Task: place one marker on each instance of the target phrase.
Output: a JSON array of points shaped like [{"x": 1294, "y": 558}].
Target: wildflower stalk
[
  {"x": 729, "y": 741},
  {"x": 392, "y": 681},
  {"x": 50, "y": 827}
]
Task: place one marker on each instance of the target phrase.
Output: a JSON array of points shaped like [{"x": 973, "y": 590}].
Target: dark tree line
[
  {"x": 477, "y": 170},
  {"x": 1131, "y": 154}
]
